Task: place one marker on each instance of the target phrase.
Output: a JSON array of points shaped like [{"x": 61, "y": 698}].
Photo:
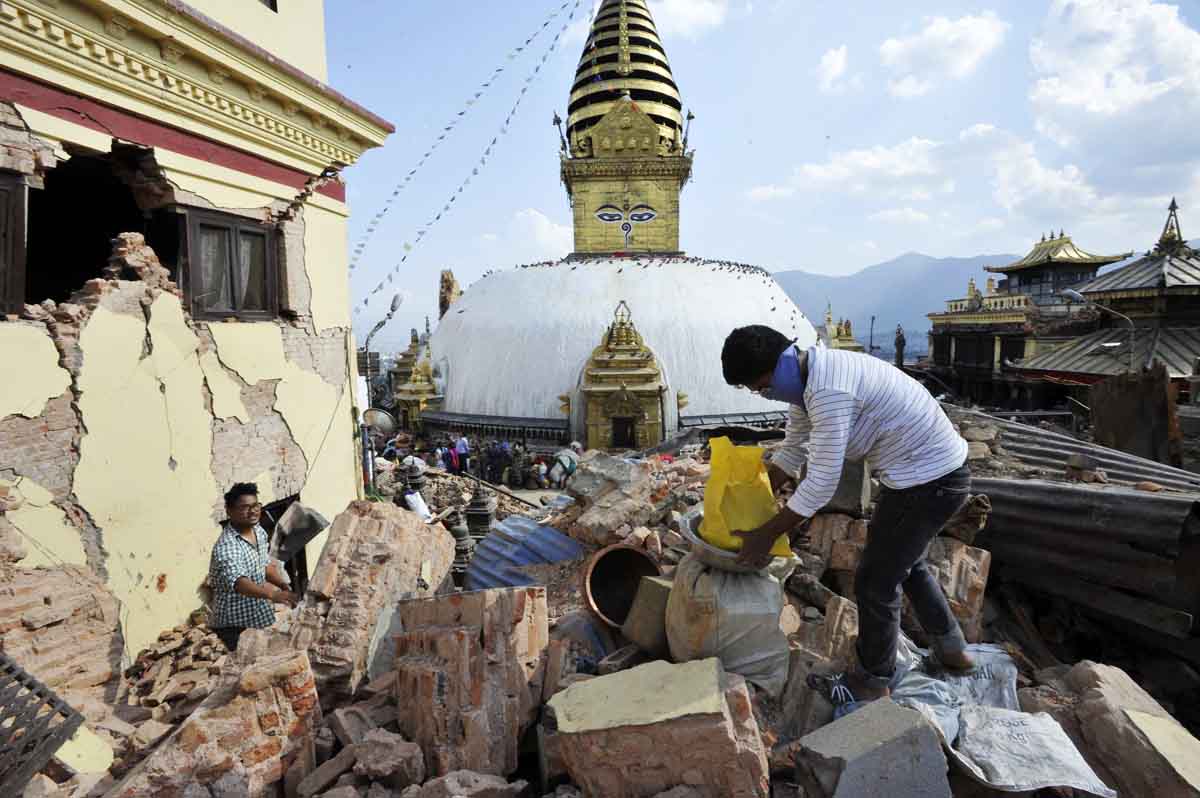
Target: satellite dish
[{"x": 381, "y": 421}]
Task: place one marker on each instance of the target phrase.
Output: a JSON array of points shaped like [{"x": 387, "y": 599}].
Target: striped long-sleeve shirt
[{"x": 862, "y": 408}]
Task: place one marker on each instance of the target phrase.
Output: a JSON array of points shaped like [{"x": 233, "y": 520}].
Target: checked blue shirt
[{"x": 232, "y": 558}]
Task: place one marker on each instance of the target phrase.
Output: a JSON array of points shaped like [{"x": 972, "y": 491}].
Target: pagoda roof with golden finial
[
  {"x": 624, "y": 55},
  {"x": 1057, "y": 250}
]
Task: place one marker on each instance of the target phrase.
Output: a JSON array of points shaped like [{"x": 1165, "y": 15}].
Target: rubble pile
[
  {"x": 388, "y": 682},
  {"x": 444, "y": 490},
  {"x": 172, "y": 677}
]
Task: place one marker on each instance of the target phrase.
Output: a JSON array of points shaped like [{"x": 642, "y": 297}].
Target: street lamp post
[{"x": 1073, "y": 296}]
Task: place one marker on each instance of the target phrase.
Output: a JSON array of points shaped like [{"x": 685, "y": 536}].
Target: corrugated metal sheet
[
  {"x": 1047, "y": 449},
  {"x": 512, "y": 544},
  {"x": 1106, "y": 535},
  {"x": 1150, "y": 272},
  {"x": 1107, "y": 352}
]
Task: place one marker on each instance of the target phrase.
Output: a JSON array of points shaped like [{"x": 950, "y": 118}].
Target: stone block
[
  {"x": 350, "y": 724},
  {"x": 470, "y": 668},
  {"x": 376, "y": 555},
  {"x": 327, "y": 774},
  {"x": 240, "y": 739},
  {"x": 833, "y": 637},
  {"x": 387, "y": 758},
  {"x": 853, "y": 495},
  {"x": 980, "y": 434},
  {"x": 962, "y": 571},
  {"x": 846, "y": 555},
  {"x": 466, "y": 784},
  {"x": 826, "y": 529},
  {"x": 977, "y": 450},
  {"x": 880, "y": 751},
  {"x": 1128, "y": 738},
  {"x": 622, "y": 659},
  {"x": 612, "y": 493},
  {"x": 803, "y": 710},
  {"x": 640, "y": 732}
]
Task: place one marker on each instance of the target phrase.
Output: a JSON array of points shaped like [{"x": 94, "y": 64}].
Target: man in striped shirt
[{"x": 851, "y": 405}]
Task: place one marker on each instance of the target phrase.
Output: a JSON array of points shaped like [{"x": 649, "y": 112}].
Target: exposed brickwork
[
  {"x": 62, "y": 626},
  {"x": 470, "y": 668},
  {"x": 241, "y": 740},
  {"x": 20, "y": 151},
  {"x": 322, "y": 353},
  {"x": 44, "y": 449},
  {"x": 376, "y": 555}
]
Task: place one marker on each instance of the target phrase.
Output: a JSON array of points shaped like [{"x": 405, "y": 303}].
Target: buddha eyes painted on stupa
[
  {"x": 610, "y": 214},
  {"x": 638, "y": 214}
]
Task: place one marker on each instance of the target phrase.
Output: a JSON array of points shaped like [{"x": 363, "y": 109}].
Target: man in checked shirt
[
  {"x": 244, "y": 581},
  {"x": 851, "y": 405}
]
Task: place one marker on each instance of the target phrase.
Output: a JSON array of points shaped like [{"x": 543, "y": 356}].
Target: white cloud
[
  {"x": 909, "y": 166},
  {"x": 831, "y": 69},
  {"x": 770, "y": 192},
  {"x": 900, "y": 216},
  {"x": 944, "y": 49},
  {"x": 689, "y": 18},
  {"x": 1019, "y": 178},
  {"x": 1118, "y": 81},
  {"x": 542, "y": 236}
]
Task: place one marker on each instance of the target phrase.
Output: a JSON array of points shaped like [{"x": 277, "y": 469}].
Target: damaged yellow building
[{"x": 173, "y": 283}]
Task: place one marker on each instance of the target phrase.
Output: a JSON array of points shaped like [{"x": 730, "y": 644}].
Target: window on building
[
  {"x": 12, "y": 243},
  {"x": 231, "y": 265},
  {"x": 271, "y": 4}
]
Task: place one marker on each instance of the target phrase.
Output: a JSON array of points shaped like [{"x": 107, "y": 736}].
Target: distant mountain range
[{"x": 898, "y": 291}]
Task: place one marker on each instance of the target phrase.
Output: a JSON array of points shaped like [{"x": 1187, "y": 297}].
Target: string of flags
[
  {"x": 377, "y": 220},
  {"x": 483, "y": 160}
]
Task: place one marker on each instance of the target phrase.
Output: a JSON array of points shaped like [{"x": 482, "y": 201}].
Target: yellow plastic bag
[{"x": 738, "y": 497}]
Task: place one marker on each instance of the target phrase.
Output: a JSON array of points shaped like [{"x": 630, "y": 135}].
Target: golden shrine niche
[
  {"x": 417, "y": 395},
  {"x": 622, "y": 389}
]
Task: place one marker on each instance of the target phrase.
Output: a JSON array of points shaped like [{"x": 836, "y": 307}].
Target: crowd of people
[{"x": 501, "y": 462}]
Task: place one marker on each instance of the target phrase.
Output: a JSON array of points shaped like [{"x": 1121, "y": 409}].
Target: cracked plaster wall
[{"x": 134, "y": 418}]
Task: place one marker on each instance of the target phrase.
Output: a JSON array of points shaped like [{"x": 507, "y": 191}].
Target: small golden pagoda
[
  {"x": 403, "y": 369},
  {"x": 418, "y": 394},
  {"x": 623, "y": 389},
  {"x": 624, "y": 158},
  {"x": 840, "y": 335}
]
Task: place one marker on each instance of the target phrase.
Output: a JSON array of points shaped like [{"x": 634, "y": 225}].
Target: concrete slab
[{"x": 880, "y": 751}]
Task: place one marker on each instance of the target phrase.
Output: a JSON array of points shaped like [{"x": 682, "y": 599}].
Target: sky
[{"x": 829, "y": 136}]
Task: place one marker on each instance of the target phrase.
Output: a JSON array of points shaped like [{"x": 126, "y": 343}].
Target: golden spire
[
  {"x": 1171, "y": 239},
  {"x": 624, "y": 55}
]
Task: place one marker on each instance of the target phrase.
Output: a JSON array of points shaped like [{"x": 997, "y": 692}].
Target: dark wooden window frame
[
  {"x": 12, "y": 242},
  {"x": 236, "y": 226}
]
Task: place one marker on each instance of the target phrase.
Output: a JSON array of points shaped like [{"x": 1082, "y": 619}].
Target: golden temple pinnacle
[{"x": 624, "y": 161}]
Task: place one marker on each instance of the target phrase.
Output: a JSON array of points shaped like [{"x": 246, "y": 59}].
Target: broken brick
[{"x": 470, "y": 669}]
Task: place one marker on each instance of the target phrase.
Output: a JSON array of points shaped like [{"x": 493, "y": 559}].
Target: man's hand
[
  {"x": 756, "y": 547},
  {"x": 285, "y": 597}
]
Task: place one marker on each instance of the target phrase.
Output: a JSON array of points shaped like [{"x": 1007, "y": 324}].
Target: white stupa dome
[{"x": 517, "y": 340}]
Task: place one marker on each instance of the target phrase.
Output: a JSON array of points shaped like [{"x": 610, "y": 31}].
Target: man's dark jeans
[{"x": 904, "y": 524}]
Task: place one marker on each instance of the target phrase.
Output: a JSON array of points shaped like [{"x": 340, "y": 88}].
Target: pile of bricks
[{"x": 173, "y": 676}]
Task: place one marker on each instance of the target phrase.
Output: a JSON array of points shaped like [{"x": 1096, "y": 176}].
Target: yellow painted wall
[
  {"x": 49, "y": 537},
  {"x": 296, "y": 33},
  {"x": 324, "y": 245},
  {"x": 145, "y": 464},
  {"x": 34, "y": 376}
]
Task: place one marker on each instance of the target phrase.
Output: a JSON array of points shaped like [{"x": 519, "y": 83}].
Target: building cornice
[
  {"x": 678, "y": 167},
  {"x": 952, "y": 319},
  {"x": 151, "y": 59}
]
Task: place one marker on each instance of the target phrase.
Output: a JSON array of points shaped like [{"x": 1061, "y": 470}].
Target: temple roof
[
  {"x": 1171, "y": 264},
  {"x": 623, "y": 54},
  {"x": 1057, "y": 251}
]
